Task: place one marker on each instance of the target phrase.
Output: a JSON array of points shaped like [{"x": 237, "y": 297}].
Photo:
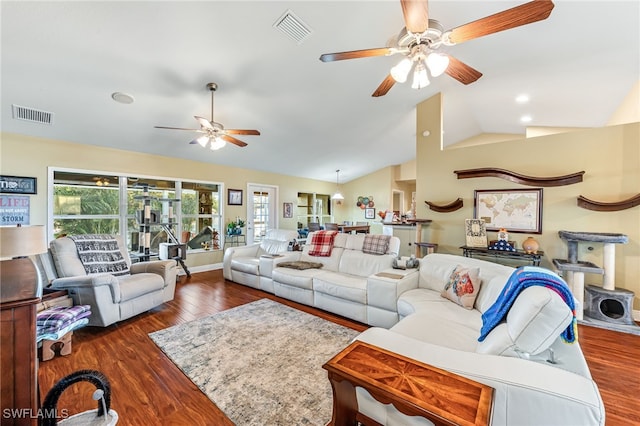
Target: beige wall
[
  {"x": 27, "y": 156},
  {"x": 377, "y": 185},
  {"x": 609, "y": 156}
]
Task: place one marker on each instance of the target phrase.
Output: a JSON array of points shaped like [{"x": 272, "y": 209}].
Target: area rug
[{"x": 260, "y": 363}]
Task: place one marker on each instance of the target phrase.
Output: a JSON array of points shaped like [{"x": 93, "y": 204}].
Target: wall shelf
[
  {"x": 600, "y": 206},
  {"x": 446, "y": 208},
  {"x": 519, "y": 178}
]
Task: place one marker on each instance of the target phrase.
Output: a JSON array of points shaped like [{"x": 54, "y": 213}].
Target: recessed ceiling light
[
  {"x": 123, "y": 98},
  {"x": 522, "y": 99},
  {"x": 526, "y": 118}
]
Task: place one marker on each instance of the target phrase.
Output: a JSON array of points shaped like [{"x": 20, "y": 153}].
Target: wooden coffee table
[{"x": 414, "y": 388}]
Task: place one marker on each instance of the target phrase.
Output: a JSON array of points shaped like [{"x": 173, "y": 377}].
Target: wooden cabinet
[{"x": 18, "y": 353}]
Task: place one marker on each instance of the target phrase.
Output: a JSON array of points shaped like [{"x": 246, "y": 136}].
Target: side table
[
  {"x": 414, "y": 388},
  {"x": 234, "y": 240}
]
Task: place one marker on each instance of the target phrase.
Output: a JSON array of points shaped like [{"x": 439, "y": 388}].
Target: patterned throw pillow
[
  {"x": 462, "y": 286},
  {"x": 375, "y": 243},
  {"x": 322, "y": 243}
]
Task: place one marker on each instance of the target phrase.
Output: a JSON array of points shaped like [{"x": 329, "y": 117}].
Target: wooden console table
[
  {"x": 534, "y": 258},
  {"x": 414, "y": 388}
]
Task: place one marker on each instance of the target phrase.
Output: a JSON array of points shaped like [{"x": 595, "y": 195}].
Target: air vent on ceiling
[
  {"x": 31, "y": 114},
  {"x": 293, "y": 27}
]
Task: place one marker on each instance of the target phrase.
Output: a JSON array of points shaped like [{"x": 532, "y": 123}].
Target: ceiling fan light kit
[
  {"x": 421, "y": 37},
  {"x": 215, "y": 135}
]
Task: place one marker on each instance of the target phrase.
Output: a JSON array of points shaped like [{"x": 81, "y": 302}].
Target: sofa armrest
[
  {"x": 165, "y": 268},
  {"x": 250, "y": 250},
  {"x": 384, "y": 288},
  {"x": 88, "y": 283}
]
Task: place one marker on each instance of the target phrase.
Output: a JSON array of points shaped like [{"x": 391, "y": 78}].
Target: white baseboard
[
  {"x": 201, "y": 268},
  {"x": 636, "y": 315}
]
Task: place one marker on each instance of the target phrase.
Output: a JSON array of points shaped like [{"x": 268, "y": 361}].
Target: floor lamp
[{"x": 19, "y": 276}]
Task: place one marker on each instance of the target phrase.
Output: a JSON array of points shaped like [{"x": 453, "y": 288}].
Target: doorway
[
  {"x": 398, "y": 202},
  {"x": 261, "y": 211}
]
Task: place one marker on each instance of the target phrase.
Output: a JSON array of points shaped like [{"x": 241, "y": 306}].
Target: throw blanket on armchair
[
  {"x": 100, "y": 253},
  {"x": 521, "y": 278}
]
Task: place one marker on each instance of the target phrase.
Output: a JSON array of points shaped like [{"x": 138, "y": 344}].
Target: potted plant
[{"x": 235, "y": 227}]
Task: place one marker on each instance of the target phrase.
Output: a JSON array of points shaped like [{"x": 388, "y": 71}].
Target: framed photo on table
[
  {"x": 234, "y": 197},
  {"x": 369, "y": 213},
  {"x": 516, "y": 210}
]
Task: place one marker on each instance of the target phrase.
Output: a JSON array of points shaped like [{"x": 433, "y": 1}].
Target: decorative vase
[{"x": 530, "y": 245}]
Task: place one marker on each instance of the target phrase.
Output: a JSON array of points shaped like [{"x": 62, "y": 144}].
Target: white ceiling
[{"x": 68, "y": 57}]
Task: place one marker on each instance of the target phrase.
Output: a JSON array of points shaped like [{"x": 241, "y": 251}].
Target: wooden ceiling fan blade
[
  {"x": 384, "y": 87},
  {"x": 462, "y": 72},
  {"x": 233, "y": 140},
  {"x": 179, "y": 128},
  {"x": 242, "y": 132},
  {"x": 355, "y": 54},
  {"x": 416, "y": 15},
  {"x": 536, "y": 10},
  {"x": 204, "y": 122}
]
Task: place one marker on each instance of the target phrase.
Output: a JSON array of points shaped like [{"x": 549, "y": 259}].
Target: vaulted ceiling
[{"x": 68, "y": 58}]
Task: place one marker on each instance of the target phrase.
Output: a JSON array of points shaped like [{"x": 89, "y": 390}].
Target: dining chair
[
  {"x": 314, "y": 226},
  {"x": 331, "y": 226}
]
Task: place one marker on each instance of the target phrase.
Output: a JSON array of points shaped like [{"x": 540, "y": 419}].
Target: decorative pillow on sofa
[
  {"x": 375, "y": 243},
  {"x": 462, "y": 286},
  {"x": 322, "y": 243}
]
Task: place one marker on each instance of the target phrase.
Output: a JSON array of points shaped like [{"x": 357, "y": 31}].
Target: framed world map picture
[{"x": 516, "y": 210}]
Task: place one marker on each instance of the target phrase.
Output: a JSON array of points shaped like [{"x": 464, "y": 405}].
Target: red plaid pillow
[{"x": 322, "y": 243}]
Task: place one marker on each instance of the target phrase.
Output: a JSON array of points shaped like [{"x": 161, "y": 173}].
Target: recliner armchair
[
  {"x": 243, "y": 264},
  {"x": 112, "y": 298}
]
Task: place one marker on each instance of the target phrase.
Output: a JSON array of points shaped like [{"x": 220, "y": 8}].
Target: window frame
[{"x": 123, "y": 216}]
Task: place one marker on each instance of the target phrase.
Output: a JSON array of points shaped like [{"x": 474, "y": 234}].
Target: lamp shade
[{"x": 18, "y": 241}]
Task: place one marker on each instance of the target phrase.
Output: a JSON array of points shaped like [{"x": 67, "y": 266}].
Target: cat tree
[{"x": 607, "y": 303}]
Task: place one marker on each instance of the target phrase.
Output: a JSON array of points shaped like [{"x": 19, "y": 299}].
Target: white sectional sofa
[{"x": 538, "y": 378}]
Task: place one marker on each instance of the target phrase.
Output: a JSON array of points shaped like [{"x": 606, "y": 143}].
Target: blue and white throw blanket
[
  {"x": 521, "y": 278},
  {"x": 100, "y": 253}
]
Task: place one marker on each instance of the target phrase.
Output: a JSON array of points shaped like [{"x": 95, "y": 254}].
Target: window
[
  {"x": 80, "y": 206},
  {"x": 201, "y": 218},
  {"x": 96, "y": 203}
]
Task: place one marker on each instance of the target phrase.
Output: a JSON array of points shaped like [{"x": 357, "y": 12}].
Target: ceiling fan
[
  {"x": 421, "y": 38},
  {"x": 215, "y": 135}
]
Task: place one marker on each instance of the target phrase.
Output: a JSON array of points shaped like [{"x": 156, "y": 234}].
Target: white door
[{"x": 261, "y": 210}]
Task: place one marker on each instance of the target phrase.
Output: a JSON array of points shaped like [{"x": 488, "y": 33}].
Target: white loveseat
[{"x": 538, "y": 378}]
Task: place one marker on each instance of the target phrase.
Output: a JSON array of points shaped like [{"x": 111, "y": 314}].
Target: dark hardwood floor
[{"x": 147, "y": 388}]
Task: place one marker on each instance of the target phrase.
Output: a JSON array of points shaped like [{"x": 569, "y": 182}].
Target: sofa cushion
[
  {"x": 427, "y": 327},
  {"x": 462, "y": 286},
  {"x": 375, "y": 243},
  {"x": 136, "y": 285},
  {"x": 355, "y": 262},
  {"x": 536, "y": 319},
  {"x": 419, "y": 300},
  {"x": 343, "y": 286},
  {"x": 295, "y": 277},
  {"x": 322, "y": 243}
]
